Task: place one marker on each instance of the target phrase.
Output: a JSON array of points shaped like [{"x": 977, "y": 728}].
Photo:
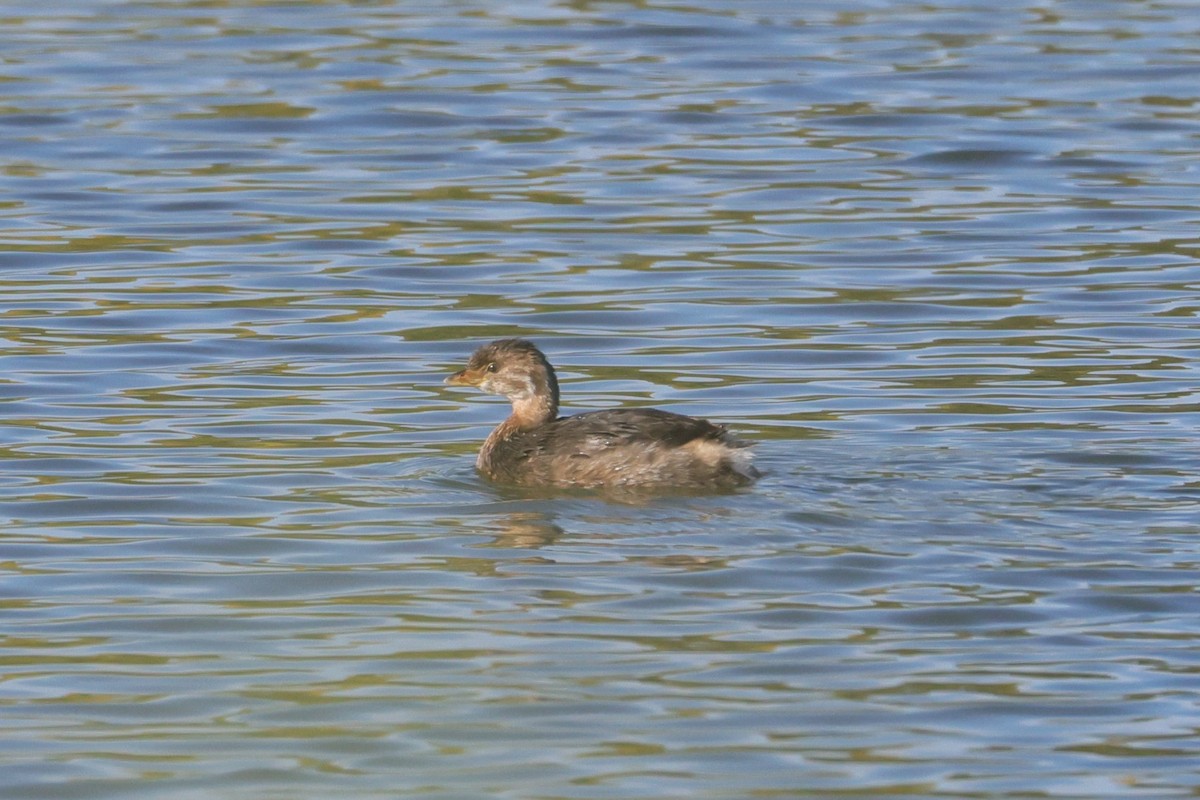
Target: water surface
[{"x": 939, "y": 259}]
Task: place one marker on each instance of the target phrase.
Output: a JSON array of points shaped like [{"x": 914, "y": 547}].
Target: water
[{"x": 939, "y": 259}]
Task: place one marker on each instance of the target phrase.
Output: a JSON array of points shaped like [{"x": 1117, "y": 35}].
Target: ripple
[{"x": 944, "y": 276}]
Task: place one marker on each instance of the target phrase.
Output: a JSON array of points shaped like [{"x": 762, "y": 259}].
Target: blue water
[{"x": 939, "y": 260}]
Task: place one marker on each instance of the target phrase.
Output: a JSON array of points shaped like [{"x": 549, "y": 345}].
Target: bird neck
[
  {"x": 537, "y": 404},
  {"x": 531, "y": 411}
]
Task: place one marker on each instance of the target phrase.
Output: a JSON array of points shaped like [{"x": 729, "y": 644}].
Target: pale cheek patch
[
  {"x": 514, "y": 388},
  {"x": 526, "y": 392}
]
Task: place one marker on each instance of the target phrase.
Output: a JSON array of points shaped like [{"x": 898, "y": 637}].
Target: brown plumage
[{"x": 618, "y": 448}]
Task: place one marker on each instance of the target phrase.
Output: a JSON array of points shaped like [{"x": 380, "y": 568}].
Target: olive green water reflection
[{"x": 940, "y": 260}]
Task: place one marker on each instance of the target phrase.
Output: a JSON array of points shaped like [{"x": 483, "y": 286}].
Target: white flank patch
[{"x": 740, "y": 459}]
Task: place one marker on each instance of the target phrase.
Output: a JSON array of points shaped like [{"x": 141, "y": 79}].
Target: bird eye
[{"x": 491, "y": 367}]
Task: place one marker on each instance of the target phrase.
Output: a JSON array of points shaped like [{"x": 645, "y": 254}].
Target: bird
[{"x": 626, "y": 448}]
